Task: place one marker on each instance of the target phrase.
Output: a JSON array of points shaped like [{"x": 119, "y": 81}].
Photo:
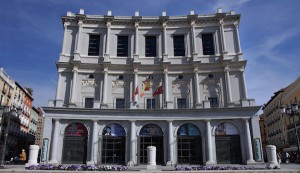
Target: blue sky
[{"x": 31, "y": 35}]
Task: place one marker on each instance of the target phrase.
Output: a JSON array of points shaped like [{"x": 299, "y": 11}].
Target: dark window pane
[
  {"x": 122, "y": 49},
  {"x": 120, "y": 103},
  {"x": 94, "y": 43},
  {"x": 150, "y": 103},
  {"x": 181, "y": 103},
  {"x": 178, "y": 41},
  {"x": 213, "y": 102},
  {"x": 89, "y": 102},
  {"x": 150, "y": 46},
  {"x": 208, "y": 44}
]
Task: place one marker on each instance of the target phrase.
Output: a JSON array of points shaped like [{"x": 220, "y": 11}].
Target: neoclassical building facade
[{"x": 174, "y": 82}]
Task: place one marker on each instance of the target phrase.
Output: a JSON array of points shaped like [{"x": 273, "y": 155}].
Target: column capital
[
  {"x": 207, "y": 120},
  {"x": 196, "y": 70},
  {"x": 95, "y": 121},
  {"x": 165, "y": 70},
  {"x": 136, "y": 25},
  {"x": 236, "y": 24},
  {"x": 242, "y": 69},
  {"x": 66, "y": 24},
  {"x": 136, "y": 70},
  {"x": 170, "y": 121},
  {"x": 164, "y": 24},
  {"x": 193, "y": 23},
  {"x": 80, "y": 23},
  {"x": 246, "y": 120},
  {"x": 108, "y": 25},
  {"x": 75, "y": 69},
  {"x": 221, "y": 22},
  {"x": 226, "y": 68}
]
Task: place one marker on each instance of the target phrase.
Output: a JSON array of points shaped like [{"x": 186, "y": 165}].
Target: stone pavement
[{"x": 285, "y": 168}]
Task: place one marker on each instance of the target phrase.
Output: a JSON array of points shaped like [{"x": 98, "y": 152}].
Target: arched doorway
[
  {"x": 189, "y": 145},
  {"x": 113, "y": 144},
  {"x": 228, "y": 146},
  {"x": 151, "y": 135},
  {"x": 75, "y": 144}
]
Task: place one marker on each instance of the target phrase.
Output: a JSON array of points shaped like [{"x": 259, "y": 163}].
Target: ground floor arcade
[{"x": 115, "y": 141}]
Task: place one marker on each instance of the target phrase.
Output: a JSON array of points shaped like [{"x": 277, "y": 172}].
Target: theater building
[{"x": 173, "y": 82}]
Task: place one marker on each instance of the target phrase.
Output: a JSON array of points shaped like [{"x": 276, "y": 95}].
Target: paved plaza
[{"x": 287, "y": 168}]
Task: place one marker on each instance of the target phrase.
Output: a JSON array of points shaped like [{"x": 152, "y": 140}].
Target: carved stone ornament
[
  {"x": 118, "y": 84},
  {"x": 89, "y": 83},
  {"x": 181, "y": 86}
]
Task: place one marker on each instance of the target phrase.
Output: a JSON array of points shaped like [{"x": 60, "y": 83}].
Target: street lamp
[
  {"x": 7, "y": 111},
  {"x": 292, "y": 111}
]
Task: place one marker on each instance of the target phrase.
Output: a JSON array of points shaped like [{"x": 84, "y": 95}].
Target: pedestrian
[
  {"x": 279, "y": 158},
  {"x": 287, "y": 158},
  {"x": 23, "y": 156}
]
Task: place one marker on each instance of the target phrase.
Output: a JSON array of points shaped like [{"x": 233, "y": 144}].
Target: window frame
[
  {"x": 122, "y": 49},
  {"x": 179, "y": 102},
  {"x": 153, "y": 48},
  {"x": 152, "y": 103},
  {"x": 97, "y": 48},
  {"x": 177, "y": 46},
  {"x": 89, "y": 103},
  {"x": 206, "y": 45},
  {"x": 116, "y": 103},
  {"x": 213, "y": 100}
]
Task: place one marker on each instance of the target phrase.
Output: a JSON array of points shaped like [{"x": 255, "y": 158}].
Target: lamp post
[
  {"x": 7, "y": 111},
  {"x": 292, "y": 111}
]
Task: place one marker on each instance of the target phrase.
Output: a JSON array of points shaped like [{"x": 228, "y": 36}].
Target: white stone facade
[{"x": 203, "y": 91}]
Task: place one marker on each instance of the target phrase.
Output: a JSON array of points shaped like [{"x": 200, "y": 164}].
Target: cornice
[{"x": 154, "y": 20}]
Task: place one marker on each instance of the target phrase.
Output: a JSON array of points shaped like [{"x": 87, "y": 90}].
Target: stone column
[
  {"x": 194, "y": 53},
  {"x": 209, "y": 144},
  {"x": 33, "y": 155},
  {"x": 248, "y": 142},
  {"x": 78, "y": 41},
  {"x": 165, "y": 54},
  {"x": 244, "y": 83},
  {"x": 228, "y": 85},
  {"x": 170, "y": 161},
  {"x": 74, "y": 82},
  {"x": 133, "y": 139},
  {"x": 236, "y": 24},
  {"x": 136, "y": 84},
  {"x": 55, "y": 142},
  {"x": 104, "y": 94},
  {"x": 224, "y": 49},
  {"x": 166, "y": 88},
  {"x": 106, "y": 53},
  {"x": 196, "y": 78},
  {"x": 94, "y": 142},
  {"x": 222, "y": 36},
  {"x": 64, "y": 38},
  {"x": 136, "y": 44}
]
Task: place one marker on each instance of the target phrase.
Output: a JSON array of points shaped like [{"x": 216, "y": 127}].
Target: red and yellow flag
[
  {"x": 136, "y": 92},
  {"x": 146, "y": 87}
]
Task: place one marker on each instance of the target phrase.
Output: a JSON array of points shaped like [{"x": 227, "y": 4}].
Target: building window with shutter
[
  {"x": 150, "y": 46},
  {"x": 120, "y": 103},
  {"x": 122, "y": 47},
  {"x": 94, "y": 44},
  {"x": 178, "y": 41},
  {"x": 208, "y": 44},
  {"x": 181, "y": 103}
]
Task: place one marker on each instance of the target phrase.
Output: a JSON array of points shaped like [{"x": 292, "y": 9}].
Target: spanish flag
[
  {"x": 158, "y": 91},
  {"x": 146, "y": 87},
  {"x": 136, "y": 92}
]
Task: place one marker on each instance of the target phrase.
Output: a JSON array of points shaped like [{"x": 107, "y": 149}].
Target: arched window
[
  {"x": 189, "y": 145},
  {"x": 75, "y": 144},
  {"x": 228, "y": 147},
  {"x": 113, "y": 144},
  {"x": 151, "y": 135}
]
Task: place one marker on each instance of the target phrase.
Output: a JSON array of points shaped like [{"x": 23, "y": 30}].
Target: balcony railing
[{"x": 133, "y": 105}]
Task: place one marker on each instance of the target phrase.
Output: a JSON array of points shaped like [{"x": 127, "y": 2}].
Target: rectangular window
[
  {"x": 94, "y": 44},
  {"x": 208, "y": 44},
  {"x": 150, "y": 46},
  {"x": 120, "y": 103},
  {"x": 89, "y": 103},
  {"x": 150, "y": 103},
  {"x": 213, "y": 102},
  {"x": 181, "y": 103},
  {"x": 122, "y": 49},
  {"x": 178, "y": 41}
]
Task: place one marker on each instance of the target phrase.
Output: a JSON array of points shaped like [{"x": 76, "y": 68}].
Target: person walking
[
  {"x": 279, "y": 158},
  {"x": 23, "y": 157}
]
